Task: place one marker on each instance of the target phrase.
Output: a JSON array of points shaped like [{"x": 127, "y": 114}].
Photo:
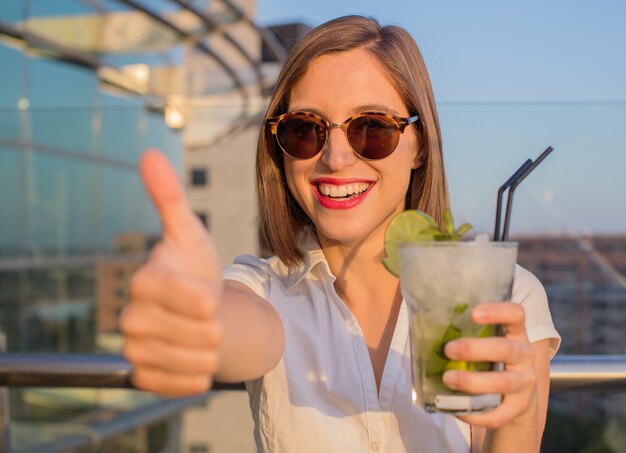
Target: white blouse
[{"x": 322, "y": 395}]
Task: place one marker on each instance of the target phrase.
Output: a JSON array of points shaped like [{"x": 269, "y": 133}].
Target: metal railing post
[{"x": 5, "y": 414}]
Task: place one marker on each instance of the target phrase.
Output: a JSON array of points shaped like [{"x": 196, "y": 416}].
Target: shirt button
[{"x": 374, "y": 445}]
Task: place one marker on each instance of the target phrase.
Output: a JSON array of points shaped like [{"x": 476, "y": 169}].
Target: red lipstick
[{"x": 341, "y": 203}]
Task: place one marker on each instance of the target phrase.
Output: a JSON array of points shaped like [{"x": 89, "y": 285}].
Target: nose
[{"x": 338, "y": 153}]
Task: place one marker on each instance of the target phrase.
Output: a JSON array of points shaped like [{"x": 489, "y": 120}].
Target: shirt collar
[{"x": 313, "y": 255}]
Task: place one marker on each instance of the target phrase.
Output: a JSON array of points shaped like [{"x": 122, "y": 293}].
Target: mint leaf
[
  {"x": 464, "y": 228},
  {"x": 486, "y": 331},
  {"x": 451, "y": 333},
  {"x": 437, "y": 365},
  {"x": 439, "y": 361}
]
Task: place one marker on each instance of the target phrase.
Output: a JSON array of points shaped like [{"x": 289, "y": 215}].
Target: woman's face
[{"x": 335, "y": 87}]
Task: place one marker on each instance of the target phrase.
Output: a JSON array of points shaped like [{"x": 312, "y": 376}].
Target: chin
[{"x": 342, "y": 233}]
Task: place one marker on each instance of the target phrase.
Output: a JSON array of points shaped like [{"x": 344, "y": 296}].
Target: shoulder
[
  {"x": 252, "y": 271},
  {"x": 527, "y": 288},
  {"x": 529, "y": 292}
]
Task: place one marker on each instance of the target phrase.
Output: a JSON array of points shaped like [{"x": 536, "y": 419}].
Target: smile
[
  {"x": 341, "y": 194},
  {"x": 345, "y": 191}
]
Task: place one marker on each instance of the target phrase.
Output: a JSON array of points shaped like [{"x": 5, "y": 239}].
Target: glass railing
[
  {"x": 569, "y": 375},
  {"x": 569, "y": 218},
  {"x": 64, "y": 269}
]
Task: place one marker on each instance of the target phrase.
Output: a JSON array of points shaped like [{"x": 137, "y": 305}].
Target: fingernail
[
  {"x": 450, "y": 378},
  {"x": 451, "y": 349},
  {"x": 479, "y": 313}
]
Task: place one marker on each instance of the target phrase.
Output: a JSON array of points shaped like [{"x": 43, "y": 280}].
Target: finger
[
  {"x": 186, "y": 296},
  {"x": 170, "y": 384},
  {"x": 509, "y": 314},
  {"x": 167, "y": 357},
  {"x": 492, "y": 349},
  {"x": 479, "y": 382},
  {"x": 151, "y": 321},
  {"x": 496, "y": 417},
  {"x": 166, "y": 192}
]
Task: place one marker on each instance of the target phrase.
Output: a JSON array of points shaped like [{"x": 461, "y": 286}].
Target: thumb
[{"x": 166, "y": 192}]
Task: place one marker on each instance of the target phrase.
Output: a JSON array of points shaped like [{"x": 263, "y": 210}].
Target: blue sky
[
  {"x": 499, "y": 50},
  {"x": 510, "y": 79}
]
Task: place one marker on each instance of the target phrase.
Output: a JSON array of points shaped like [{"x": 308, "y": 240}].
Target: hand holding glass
[{"x": 441, "y": 283}]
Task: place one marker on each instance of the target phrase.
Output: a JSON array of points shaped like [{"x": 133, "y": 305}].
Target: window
[
  {"x": 199, "y": 177},
  {"x": 204, "y": 218}
]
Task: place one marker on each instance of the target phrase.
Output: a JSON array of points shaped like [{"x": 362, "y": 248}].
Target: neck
[{"x": 359, "y": 271}]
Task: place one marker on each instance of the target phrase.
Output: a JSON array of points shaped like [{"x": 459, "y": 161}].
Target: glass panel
[
  {"x": 579, "y": 423},
  {"x": 121, "y": 194},
  {"x": 10, "y": 94},
  {"x": 57, "y": 8},
  {"x": 9, "y": 306},
  {"x": 570, "y": 222},
  {"x": 485, "y": 143},
  {"x": 56, "y": 312},
  {"x": 61, "y": 206},
  {"x": 122, "y": 130},
  {"x": 10, "y": 125},
  {"x": 11, "y": 80},
  {"x": 67, "y": 129},
  {"x": 114, "y": 5},
  {"x": 65, "y": 295},
  {"x": 49, "y": 419},
  {"x": 51, "y": 309},
  {"x": 158, "y": 135},
  {"x": 116, "y": 99},
  {"x": 54, "y": 84},
  {"x": 11, "y": 10},
  {"x": 10, "y": 202},
  {"x": 585, "y": 278}
]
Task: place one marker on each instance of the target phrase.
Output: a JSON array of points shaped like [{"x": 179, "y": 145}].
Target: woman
[{"x": 318, "y": 329}]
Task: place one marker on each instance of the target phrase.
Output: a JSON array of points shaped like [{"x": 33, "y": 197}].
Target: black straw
[
  {"x": 503, "y": 187},
  {"x": 512, "y": 184}
]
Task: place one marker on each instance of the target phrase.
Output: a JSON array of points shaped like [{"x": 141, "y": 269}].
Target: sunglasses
[{"x": 371, "y": 135}]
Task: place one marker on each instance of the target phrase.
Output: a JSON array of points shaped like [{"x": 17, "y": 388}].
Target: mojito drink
[{"x": 441, "y": 282}]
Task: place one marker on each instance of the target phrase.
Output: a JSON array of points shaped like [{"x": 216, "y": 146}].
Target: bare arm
[{"x": 253, "y": 340}]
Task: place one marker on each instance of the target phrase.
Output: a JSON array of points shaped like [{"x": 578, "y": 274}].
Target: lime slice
[
  {"x": 407, "y": 226},
  {"x": 461, "y": 365}
]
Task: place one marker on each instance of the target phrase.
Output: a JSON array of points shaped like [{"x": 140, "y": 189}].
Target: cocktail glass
[{"x": 441, "y": 282}]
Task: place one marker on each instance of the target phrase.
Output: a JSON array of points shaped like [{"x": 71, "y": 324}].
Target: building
[
  {"x": 85, "y": 87},
  {"x": 221, "y": 137},
  {"x": 585, "y": 279}
]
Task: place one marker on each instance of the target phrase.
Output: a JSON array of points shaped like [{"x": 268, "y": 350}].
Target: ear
[{"x": 418, "y": 158}]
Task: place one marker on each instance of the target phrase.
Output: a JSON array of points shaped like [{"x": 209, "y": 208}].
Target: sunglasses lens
[
  {"x": 301, "y": 137},
  {"x": 373, "y": 136}
]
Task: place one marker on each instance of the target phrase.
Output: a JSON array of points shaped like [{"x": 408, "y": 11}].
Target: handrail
[
  {"x": 71, "y": 370},
  {"x": 606, "y": 373},
  {"x": 64, "y": 370},
  {"x": 568, "y": 373}
]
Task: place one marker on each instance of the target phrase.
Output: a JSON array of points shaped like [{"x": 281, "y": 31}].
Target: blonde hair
[{"x": 281, "y": 219}]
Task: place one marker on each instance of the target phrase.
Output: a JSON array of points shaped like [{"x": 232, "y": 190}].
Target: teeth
[{"x": 331, "y": 190}]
